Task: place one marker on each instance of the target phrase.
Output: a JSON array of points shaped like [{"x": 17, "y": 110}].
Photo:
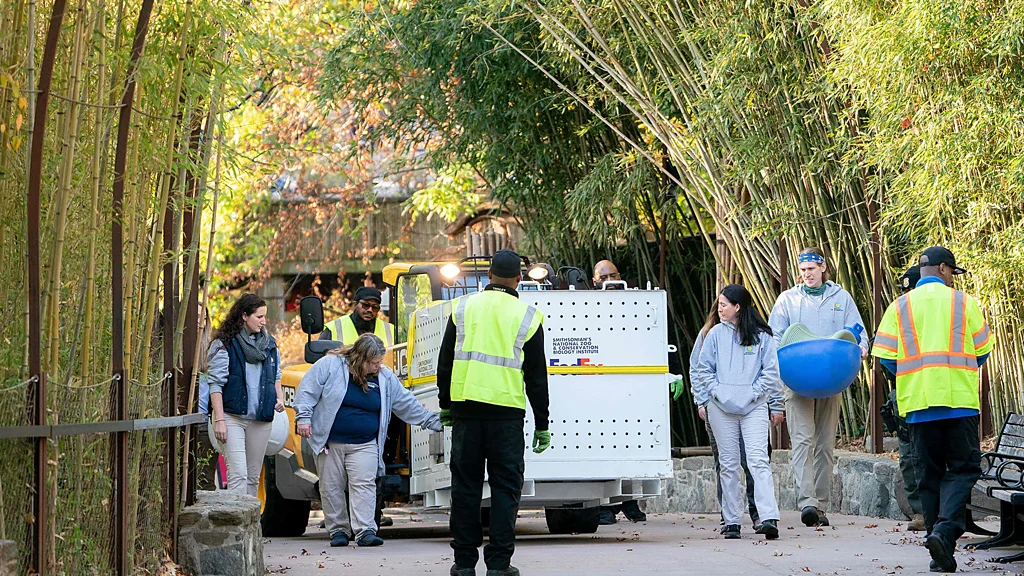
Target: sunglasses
[{"x": 369, "y": 305}]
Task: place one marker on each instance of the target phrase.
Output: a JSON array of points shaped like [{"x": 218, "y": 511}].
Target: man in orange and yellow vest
[{"x": 934, "y": 339}]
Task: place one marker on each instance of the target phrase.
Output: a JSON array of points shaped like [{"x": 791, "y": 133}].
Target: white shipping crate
[{"x": 609, "y": 402}]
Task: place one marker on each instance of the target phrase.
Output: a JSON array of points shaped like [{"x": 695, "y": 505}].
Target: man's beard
[{"x": 363, "y": 325}]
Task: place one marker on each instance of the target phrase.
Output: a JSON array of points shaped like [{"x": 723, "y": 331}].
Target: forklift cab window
[{"x": 414, "y": 292}]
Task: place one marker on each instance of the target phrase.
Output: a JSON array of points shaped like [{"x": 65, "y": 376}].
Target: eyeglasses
[
  {"x": 612, "y": 276},
  {"x": 369, "y": 305}
]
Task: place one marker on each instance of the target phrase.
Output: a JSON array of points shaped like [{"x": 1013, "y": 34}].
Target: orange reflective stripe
[
  {"x": 906, "y": 321},
  {"x": 936, "y": 360},
  {"x": 981, "y": 336},
  {"x": 958, "y": 327},
  {"x": 886, "y": 341}
]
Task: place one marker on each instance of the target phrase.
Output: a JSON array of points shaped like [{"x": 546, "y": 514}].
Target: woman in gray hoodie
[
  {"x": 343, "y": 406},
  {"x": 776, "y": 405},
  {"x": 736, "y": 376},
  {"x": 825, "y": 308}
]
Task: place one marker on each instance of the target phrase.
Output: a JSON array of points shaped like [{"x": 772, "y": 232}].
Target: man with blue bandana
[{"x": 825, "y": 308}]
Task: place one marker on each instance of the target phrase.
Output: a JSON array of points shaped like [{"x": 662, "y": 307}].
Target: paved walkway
[{"x": 665, "y": 544}]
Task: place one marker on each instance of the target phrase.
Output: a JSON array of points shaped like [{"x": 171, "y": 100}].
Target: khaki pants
[
  {"x": 351, "y": 467},
  {"x": 244, "y": 452},
  {"x": 812, "y": 432}
]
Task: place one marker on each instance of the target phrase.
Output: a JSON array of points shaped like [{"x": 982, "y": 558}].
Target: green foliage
[{"x": 452, "y": 193}]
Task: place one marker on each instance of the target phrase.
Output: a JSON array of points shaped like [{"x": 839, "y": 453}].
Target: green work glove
[
  {"x": 676, "y": 388},
  {"x": 445, "y": 416},
  {"x": 541, "y": 441}
]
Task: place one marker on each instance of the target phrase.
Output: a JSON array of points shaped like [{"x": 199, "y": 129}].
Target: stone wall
[
  {"x": 862, "y": 485},
  {"x": 8, "y": 558},
  {"x": 220, "y": 535}
]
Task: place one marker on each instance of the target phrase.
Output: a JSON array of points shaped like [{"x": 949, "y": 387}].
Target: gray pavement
[{"x": 665, "y": 544}]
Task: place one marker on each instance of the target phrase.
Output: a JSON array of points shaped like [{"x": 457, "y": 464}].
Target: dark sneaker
[
  {"x": 510, "y": 571},
  {"x": 633, "y": 512},
  {"x": 607, "y": 517},
  {"x": 369, "y": 538},
  {"x": 755, "y": 520},
  {"x": 339, "y": 538},
  {"x": 456, "y": 571},
  {"x": 732, "y": 532},
  {"x": 770, "y": 529},
  {"x": 942, "y": 553},
  {"x": 386, "y": 521},
  {"x": 809, "y": 516},
  {"x": 822, "y": 521}
]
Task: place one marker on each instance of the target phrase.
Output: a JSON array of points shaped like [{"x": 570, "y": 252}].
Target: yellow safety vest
[
  {"x": 935, "y": 334},
  {"x": 491, "y": 328},
  {"x": 347, "y": 329}
]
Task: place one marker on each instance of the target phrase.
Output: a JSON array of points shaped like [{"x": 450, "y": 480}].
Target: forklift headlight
[
  {"x": 537, "y": 272},
  {"x": 450, "y": 270}
]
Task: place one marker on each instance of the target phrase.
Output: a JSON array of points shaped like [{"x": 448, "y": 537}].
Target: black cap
[
  {"x": 936, "y": 255},
  {"x": 506, "y": 264},
  {"x": 367, "y": 293},
  {"x": 910, "y": 278}
]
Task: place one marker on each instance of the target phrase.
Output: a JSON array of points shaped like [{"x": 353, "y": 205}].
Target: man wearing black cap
[
  {"x": 363, "y": 319},
  {"x": 934, "y": 339},
  {"x": 491, "y": 361}
]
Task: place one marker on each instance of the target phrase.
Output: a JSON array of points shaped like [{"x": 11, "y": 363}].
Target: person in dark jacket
[
  {"x": 491, "y": 361},
  {"x": 245, "y": 390},
  {"x": 908, "y": 458},
  {"x": 606, "y": 271}
]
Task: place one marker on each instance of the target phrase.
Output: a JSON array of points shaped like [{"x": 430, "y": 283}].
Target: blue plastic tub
[{"x": 819, "y": 368}]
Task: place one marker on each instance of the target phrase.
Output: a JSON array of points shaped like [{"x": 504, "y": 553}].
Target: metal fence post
[
  {"x": 877, "y": 390},
  {"x": 40, "y": 501},
  {"x": 119, "y": 400}
]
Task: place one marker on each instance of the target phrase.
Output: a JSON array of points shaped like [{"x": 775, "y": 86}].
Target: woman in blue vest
[
  {"x": 245, "y": 390},
  {"x": 343, "y": 406}
]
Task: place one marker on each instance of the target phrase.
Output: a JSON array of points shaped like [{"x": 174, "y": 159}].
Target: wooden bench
[{"x": 1001, "y": 474}]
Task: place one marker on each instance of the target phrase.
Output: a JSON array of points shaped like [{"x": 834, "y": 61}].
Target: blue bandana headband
[{"x": 810, "y": 257}]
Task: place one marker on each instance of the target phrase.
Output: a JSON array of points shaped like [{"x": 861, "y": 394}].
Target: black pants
[
  {"x": 501, "y": 443},
  {"x": 948, "y": 465}
]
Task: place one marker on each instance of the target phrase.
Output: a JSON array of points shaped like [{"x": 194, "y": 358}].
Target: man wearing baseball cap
[
  {"x": 491, "y": 361},
  {"x": 363, "y": 319},
  {"x": 934, "y": 338}
]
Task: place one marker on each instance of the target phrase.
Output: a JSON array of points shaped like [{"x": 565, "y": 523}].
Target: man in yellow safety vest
[
  {"x": 934, "y": 339},
  {"x": 363, "y": 319},
  {"x": 491, "y": 361}
]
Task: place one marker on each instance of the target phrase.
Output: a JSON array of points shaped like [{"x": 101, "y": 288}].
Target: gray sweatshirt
[
  {"x": 323, "y": 389},
  {"x": 776, "y": 402},
  {"x": 824, "y": 315},
  {"x": 737, "y": 378},
  {"x": 217, "y": 374}
]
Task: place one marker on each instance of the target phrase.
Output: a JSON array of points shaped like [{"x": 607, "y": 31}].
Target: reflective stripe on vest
[
  {"x": 491, "y": 329},
  {"x": 936, "y": 365},
  {"x": 346, "y": 328}
]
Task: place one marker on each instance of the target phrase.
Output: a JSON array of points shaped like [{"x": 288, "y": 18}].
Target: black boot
[
  {"x": 770, "y": 529},
  {"x": 633, "y": 512},
  {"x": 732, "y": 532}
]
